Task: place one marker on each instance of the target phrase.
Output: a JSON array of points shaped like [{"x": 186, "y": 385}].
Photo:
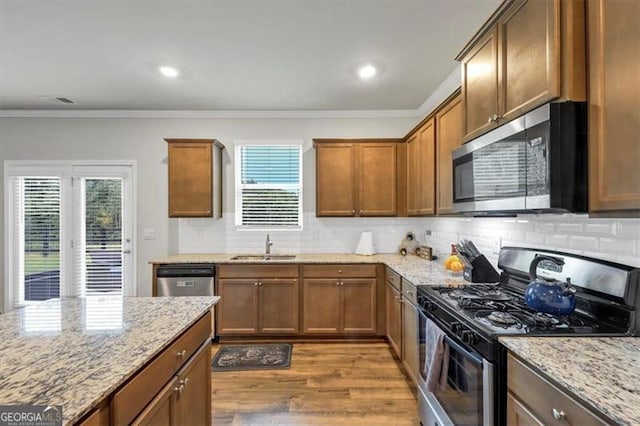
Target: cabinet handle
[
  {"x": 179, "y": 389},
  {"x": 182, "y": 354},
  {"x": 558, "y": 415}
]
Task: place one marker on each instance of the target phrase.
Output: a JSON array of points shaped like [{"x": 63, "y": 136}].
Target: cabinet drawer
[
  {"x": 409, "y": 291},
  {"x": 339, "y": 271},
  {"x": 258, "y": 271},
  {"x": 542, "y": 397},
  {"x": 131, "y": 399},
  {"x": 393, "y": 278}
]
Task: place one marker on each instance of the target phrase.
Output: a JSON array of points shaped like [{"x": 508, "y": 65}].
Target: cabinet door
[
  {"x": 448, "y": 138},
  {"x": 358, "y": 313},
  {"x": 480, "y": 86},
  {"x": 279, "y": 306},
  {"x": 413, "y": 175},
  {"x": 394, "y": 318},
  {"x": 162, "y": 410},
  {"x": 194, "y": 394},
  {"x": 427, "y": 167},
  {"x": 410, "y": 340},
  {"x": 190, "y": 179},
  {"x": 238, "y": 307},
  {"x": 518, "y": 415},
  {"x": 529, "y": 56},
  {"x": 321, "y": 306},
  {"x": 335, "y": 180},
  {"x": 377, "y": 179},
  {"x": 614, "y": 112}
]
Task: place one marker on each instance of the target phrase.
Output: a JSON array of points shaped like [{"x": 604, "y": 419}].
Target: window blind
[
  {"x": 36, "y": 230},
  {"x": 99, "y": 252},
  {"x": 269, "y": 191}
]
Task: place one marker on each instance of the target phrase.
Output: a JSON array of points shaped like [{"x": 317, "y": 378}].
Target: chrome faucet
[{"x": 267, "y": 245}]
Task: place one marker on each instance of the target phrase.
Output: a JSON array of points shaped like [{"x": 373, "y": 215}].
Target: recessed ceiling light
[
  {"x": 168, "y": 71},
  {"x": 366, "y": 71}
]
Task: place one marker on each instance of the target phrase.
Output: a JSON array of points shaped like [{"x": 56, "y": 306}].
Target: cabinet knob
[
  {"x": 490, "y": 119},
  {"x": 353, "y": 212},
  {"x": 256, "y": 283},
  {"x": 182, "y": 354},
  {"x": 360, "y": 212},
  {"x": 339, "y": 271},
  {"x": 558, "y": 414},
  {"x": 259, "y": 283},
  {"x": 186, "y": 381}
]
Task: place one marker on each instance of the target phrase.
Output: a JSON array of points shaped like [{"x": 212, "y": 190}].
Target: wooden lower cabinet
[
  {"x": 534, "y": 400},
  {"x": 186, "y": 399},
  {"x": 411, "y": 357},
  {"x": 394, "y": 318},
  {"x": 238, "y": 307},
  {"x": 339, "y": 306},
  {"x": 258, "y": 306},
  {"x": 174, "y": 388}
]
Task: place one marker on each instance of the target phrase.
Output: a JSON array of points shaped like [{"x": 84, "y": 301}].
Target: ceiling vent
[{"x": 57, "y": 99}]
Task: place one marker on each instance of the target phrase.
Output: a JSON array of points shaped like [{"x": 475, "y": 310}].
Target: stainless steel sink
[{"x": 259, "y": 257}]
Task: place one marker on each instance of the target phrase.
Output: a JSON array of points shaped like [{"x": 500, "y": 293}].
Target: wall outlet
[{"x": 149, "y": 233}]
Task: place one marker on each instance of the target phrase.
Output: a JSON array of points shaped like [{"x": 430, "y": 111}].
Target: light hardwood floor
[{"x": 328, "y": 383}]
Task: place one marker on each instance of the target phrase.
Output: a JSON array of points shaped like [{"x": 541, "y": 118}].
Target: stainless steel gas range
[{"x": 473, "y": 316}]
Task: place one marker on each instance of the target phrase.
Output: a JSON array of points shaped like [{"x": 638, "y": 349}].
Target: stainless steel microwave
[{"x": 535, "y": 163}]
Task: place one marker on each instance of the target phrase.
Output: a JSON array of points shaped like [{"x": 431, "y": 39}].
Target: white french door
[
  {"x": 102, "y": 230},
  {"x": 69, "y": 230}
]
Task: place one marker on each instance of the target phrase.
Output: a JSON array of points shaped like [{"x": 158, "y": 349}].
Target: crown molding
[
  {"x": 441, "y": 93},
  {"x": 50, "y": 113}
]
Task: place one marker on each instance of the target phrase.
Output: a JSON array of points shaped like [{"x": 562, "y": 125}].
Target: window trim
[
  {"x": 66, "y": 170},
  {"x": 238, "y": 185}
]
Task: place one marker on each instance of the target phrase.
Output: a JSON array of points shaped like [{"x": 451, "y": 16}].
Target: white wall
[{"x": 141, "y": 139}]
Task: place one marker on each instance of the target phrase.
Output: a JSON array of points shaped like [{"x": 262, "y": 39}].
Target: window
[
  {"x": 68, "y": 228},
  {"x": 268, "y": 186}
]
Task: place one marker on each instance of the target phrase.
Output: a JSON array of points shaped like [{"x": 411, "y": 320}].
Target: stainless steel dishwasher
[{"x": 186, "y": 280}]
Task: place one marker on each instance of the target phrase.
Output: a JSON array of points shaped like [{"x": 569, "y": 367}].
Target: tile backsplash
[{"x": 616, "y": 240}]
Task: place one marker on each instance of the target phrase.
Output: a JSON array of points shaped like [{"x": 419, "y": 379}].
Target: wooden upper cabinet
[
  {"x": 480, "y": 85},
  {"x": 614, "y": 105},
  {"x": 413, "y": 175},
  {"x": 448, "y": 138},
  {"x": 377, "y": 180},
  {"x": 421, "y": 170},
  {"x": 529, "y": 56},
  {"x": 335, "y": 180},
  {"x": 427, "y": 164},
  {"x": 194, "y": 165},
  {"x": 528, "y": 53},
  {"x": 356, "y": 177}
]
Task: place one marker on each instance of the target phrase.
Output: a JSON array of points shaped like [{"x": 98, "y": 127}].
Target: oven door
[{"x": 468, "y": 398}]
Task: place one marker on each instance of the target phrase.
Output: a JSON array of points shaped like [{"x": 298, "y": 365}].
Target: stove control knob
[
  {"x": 466, "y": 336},
  {"x": 455, "y": 327}
]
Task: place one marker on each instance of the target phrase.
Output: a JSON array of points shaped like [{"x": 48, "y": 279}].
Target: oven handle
[{"x": 475, "y": 358}]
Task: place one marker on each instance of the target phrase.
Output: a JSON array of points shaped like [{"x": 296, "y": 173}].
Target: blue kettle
[{"x": 551, "y": 297}]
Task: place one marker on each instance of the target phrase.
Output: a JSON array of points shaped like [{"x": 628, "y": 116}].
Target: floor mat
[{"x": 252, "y": 357}]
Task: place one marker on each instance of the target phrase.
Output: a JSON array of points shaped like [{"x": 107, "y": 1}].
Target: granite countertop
[
  {"x": 415, "y": 269},
  {"x": 74, "y": 352},
  {"x": 603, "y": 371}
]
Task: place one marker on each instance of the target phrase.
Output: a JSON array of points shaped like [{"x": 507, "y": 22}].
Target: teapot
[{"x": 549, "y": 296}]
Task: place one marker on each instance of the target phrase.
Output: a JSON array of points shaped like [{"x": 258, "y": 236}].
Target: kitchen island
[
  {"x": 78, "y": 352},
  {"x": 601, "y": 373}
]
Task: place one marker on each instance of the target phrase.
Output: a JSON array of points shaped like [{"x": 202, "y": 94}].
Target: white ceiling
[{"x": 233, "y": 55}]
